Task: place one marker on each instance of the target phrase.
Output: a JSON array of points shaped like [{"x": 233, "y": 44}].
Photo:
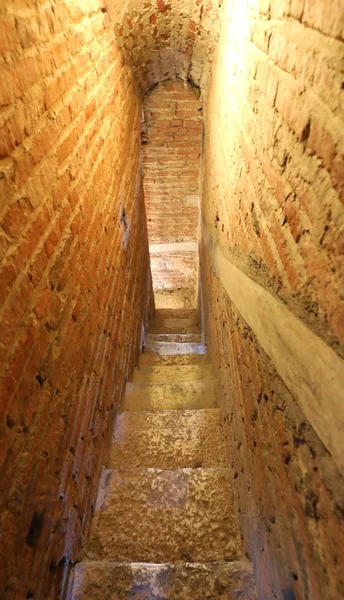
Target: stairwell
[{"x": 164, "y": 525}]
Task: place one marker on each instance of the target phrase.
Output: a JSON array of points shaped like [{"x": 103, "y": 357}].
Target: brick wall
[
  {"x": 162, "y": 40},
  {"x": 171, "y": 180},
  {"x": 73, "y": 279},
  {"x": 289, "y": 494},
  {"x": 273, "y": 201}
]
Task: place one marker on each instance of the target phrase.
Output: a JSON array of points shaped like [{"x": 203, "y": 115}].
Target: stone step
[
  {"x": 108, "y": 580},
  {"x": 168, "y": 440},
  {"x": 174, "y": 323},
  {"x": 168, "y": 348},
  {"x": 189, "y": 338},
  {"x": 173, "y": 373},
  {"x": 154, "y": 515},
  {"x": 175, "y": 326},
  {"x": 163, "y": 315},
  {"x": 150, "y": 359},
  {"x": 170, "y": 396}
]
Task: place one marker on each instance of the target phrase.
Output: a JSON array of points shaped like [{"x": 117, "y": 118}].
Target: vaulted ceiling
[{"x": 164, "y": 39}]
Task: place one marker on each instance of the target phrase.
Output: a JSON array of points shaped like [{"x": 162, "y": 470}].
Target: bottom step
[{"x": 107, "y": 580}]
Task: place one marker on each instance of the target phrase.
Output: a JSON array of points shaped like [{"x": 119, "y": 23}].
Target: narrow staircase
[{"x": 164, "y": 526}]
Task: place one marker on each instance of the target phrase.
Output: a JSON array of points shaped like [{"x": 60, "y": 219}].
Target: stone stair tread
[
  {"x": 154, "y": 515},
  {"x": 197, "y": 441},
  {"x": 168, "y": 348},
  {"x": 173, "y": 373},
  {"x": 173, "y": 395},
  {"x": 107, "y": 580},
  {"x": 151, "y": 359},
  {"x": 195, "y": 338},
  {"x": 175, "y": 326},
  {"x": 170, "y": 418}
]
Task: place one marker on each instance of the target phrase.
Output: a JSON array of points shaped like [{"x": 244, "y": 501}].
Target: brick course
[
  {"x": 74, "y": 278},
  {"x": 272, "y": 175}
]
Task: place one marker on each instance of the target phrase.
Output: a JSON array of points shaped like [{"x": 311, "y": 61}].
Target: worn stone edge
[{"x": 173, "y": 247}]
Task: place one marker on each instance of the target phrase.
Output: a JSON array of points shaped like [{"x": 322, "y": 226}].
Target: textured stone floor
[
  {"x": 194, "y": 338},
  {"x": 160, "y": 515},
  {"x": 168, "y": 440},
  {"x": 170, "y": 396},
  {"x": 105, "y": 580},
  {"x": 172, "y": 373},
  {"x": 164, "y": 525}
]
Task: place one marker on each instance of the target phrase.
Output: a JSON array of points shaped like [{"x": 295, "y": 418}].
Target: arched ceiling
[{"x": 164, "y": 39}]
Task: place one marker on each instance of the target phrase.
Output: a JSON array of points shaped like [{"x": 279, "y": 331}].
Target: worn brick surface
[
  {"x": 73, "y": 277},
  {"x": 273, "y": 199}
]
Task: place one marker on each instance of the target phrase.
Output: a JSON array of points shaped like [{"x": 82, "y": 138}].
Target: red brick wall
[
  {"x": 73, "y": 279},
  {"x": 274, "y": 157},
  {"x": 288, "y": 491},
  {"x": 171, "y": 179},
  {"x": 163, "y": 40},
  {"x": 273, "y": 200}
]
